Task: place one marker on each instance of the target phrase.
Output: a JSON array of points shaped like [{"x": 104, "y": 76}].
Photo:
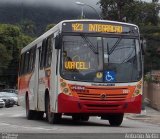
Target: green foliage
[
  {"x": 151, "y": 32},
  {"x": 112, "y": 9},
  {"x": 9, "y": 30},
  {"x": 133, "y": 11},
  {"x": 148, "y": 78},
  {"x": 23, "y": 40},
  {"x": 5, "y": 58},
  {"x": 11, "y": 41},
  {"x": 154, "y": 78},
  {"x": 49, "y": 26},
  {"x": 152, "y": 57},
  {"x": 8, "y": 35},
  {"x": 28, "y": 27}
]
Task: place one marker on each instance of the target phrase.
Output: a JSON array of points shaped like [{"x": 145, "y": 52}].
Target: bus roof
[
  {"x": 101, "y": 21},
  {"x": 58, "y": 27}
]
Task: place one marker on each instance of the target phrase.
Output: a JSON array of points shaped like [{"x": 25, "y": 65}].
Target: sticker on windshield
[
  {"x": 110, "y": 76},
  {"x": 99, "y": 75}
]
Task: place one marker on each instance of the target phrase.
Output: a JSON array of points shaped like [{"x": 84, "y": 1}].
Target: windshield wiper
[
  {"x": 90, "y": 44},
  {"x": 128, "y": 57},
  {"x": 108, "y": 51},
  {"x": 115, "y": 45}
]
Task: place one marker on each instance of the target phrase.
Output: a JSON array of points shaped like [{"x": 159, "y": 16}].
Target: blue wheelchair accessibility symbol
[{"x": 110, "y": 76}]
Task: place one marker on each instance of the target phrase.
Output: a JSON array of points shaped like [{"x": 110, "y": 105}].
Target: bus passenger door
[{"x": 39, "y": 86}]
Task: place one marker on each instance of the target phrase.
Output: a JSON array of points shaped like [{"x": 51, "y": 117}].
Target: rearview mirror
[{"x": 58, "y": 41}]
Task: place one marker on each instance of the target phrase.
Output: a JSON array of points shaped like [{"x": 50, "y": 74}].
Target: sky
[
  {"x": 62, "y": 4},
  {"x": 59, "y": 3}
]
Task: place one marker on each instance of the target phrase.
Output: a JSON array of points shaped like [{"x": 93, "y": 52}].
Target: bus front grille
[
  {"x": 102, "y": 107},
  {"x": 101, "y": 97}
]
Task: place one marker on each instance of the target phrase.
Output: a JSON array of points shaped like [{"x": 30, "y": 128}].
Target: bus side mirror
[
  {"x": 58, "y": 41},
  {"x": 143, "y": 46}
]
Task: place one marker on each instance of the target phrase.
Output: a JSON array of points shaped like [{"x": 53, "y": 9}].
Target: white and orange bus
[{"x": 83, "y": 68}]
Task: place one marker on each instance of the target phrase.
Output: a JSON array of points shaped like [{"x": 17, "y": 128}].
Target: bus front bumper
[{"x": 69, "y": 104}]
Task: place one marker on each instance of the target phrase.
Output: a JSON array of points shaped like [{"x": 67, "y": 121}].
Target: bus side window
[
  {"x": 49, "y": 52},
  {"x": 32, "y": 59},
  {"x": 21, "y": 64},
  {"x": 43, "y": 54},
  {"x": 40, "y": 54},
  {"x": 26, "y": 63}
]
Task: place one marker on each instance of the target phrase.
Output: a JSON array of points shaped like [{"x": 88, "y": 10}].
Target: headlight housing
[{"x": 138, "y": 89}]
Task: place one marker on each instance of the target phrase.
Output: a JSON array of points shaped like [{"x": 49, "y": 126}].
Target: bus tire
[
  {"x": 116, "y": 120},
  {"x": 51, "y": 117},
  {"x": 84, "y": 118},
  {"x": 39, "y": 115},
  {"x": 76, "y": 117},
  {"x": 29, "y": 113}
]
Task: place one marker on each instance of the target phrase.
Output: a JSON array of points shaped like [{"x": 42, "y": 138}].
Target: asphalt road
[{"x": 13, "y": 120}]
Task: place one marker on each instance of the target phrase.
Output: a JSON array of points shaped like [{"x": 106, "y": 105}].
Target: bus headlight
[
  {"x": 67, "y": 91},
  {"x": 138, "y": 90},
  {"x": 63, "y": 84},
  {"x": 64, "y": 88}
]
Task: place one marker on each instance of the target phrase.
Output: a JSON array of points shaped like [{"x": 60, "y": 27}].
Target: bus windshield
[{"x": 101, "y": 59}]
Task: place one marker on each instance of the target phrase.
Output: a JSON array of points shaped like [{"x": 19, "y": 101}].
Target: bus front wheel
[
  {"x": 76, "y": 117},
  {"x": 51, "y": 117},
  {"x": 29, "y": 113},
  {"x": 116, "y": 120},
  {"x": 84, "y": 118},
  {"x": 39, "y": 115},
  {"x": 80, "y": 117}
]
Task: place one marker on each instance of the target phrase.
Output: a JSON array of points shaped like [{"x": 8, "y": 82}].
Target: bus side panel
[
  {"x": 26, "y": 85},
  {"x": 21, "y": 92}
]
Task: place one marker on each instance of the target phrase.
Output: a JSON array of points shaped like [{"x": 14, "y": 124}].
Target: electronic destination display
[{"x": 96, "y": 27}]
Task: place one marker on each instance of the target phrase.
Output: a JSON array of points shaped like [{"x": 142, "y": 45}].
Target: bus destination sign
[
  {"x": 96, "y": 28},
  {"x": 90, "y": 27}
]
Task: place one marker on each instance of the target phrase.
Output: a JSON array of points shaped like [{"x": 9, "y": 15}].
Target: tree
[
  {"x": 5, "y": 58},
  {"x": 155, "y": 0},
  {"x": 49, "y": 26},
  {"x": 113, "y": 9},
  {"x": 134, "y": 11},
  {"x": 28, "y": 27},
  {"x": 11, "y": 41},
  {"x": 152, "y": 55}
]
